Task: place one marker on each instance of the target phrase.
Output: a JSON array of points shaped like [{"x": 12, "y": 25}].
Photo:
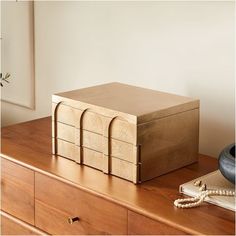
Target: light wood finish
[
  {"x": 163, "y": 128},
  {"x": 66, "y": 114},
  {"x": 141, "y": 225},
  {"x": 168, "y": 143},
  {"x": 124, "y": 131},
  {"x": 67, "y": 149},
  {"x": 124, "y": 169},
  {"x": 13, "y": 226},
  {"x": 66, "y": 132},
  {"x": 93, "y": 122},
  {"x": 145, "y": 104},
  {"x": 119, "y": 168},
  {"x": 123, "y": 150},
  {"x": 93, "y": 158},
  {"x": 152, "y": 199},
  {"x": 93, "y": 141},
  {"x": 101, "y": 216},
  {"x": 17, "y": 191}
]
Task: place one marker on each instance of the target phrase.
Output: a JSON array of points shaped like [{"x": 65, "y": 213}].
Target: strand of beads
[
  {"x": 198, "y": 200},
  {"x": 188, "y": 202}
]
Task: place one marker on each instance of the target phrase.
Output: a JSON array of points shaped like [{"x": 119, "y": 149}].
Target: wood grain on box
[
  {"x": 153, "y": 132},
  {"x": 17, "y": 191}
]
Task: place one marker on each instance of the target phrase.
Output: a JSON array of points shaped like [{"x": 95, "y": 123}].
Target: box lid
[{"x": 145, "y": 104}]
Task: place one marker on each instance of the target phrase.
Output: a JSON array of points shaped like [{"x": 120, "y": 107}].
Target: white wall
[{"x": 182, "y": 47}]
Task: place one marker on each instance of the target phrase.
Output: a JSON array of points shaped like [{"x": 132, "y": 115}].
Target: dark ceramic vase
[{"x": 227, "y": 163}]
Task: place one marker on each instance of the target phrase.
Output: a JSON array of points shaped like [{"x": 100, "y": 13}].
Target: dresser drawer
[
  {"x": 17, "y": 191},
  {"x": 57, "y": 201},
  {"x": 14, "y": 226},
  {"x": 142, "y": 225}
]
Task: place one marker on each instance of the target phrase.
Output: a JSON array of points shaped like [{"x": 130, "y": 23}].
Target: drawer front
[
  {"x": 17, "y": 191},
  {"x": 123, "y": 169},
  {"x": 56, "y": 222},
  {"x": 59, "y": 201},
  {"x": 13, "y": 226},
  {"x": 123, "y": 131},
  {"x": 119, "y": 129},
  {"x": 124, "y": 151},
  {"x": 142, "y": 225},
  {"x": 93, "y": 158},
  {"x": 92, "y": 140},
  {"x": 119, "y": 149},
  {"x": 118, "y": 167},
  {"x": 67, "y": 132},
  {"x": 67, "y": 149},
  {"x": 66, "y": 114},
  {"x": 93, "y": 122}
]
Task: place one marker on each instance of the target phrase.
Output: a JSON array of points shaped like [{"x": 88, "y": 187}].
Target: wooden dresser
[{"x": 46, "y": 194}]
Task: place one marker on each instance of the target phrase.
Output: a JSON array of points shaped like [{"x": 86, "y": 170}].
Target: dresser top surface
[
  {"x": 29, "y": 144},
  {"x": 129, "y": 99}
]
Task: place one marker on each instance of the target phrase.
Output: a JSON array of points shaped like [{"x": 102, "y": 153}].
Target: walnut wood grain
[
  {"x": 17, "y": 191},
  {"x": 13, "y": 226},
  {"x": 55, "y": 222},
  {"x": 97, "y": 216},
  {"x": 141, "y": 225},
  {"x": 29, "y": 144}
]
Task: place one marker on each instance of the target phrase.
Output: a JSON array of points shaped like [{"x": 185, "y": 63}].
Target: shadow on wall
[
  {"x": 214, "y": 136},
  {"x": 217, "y": 117}
]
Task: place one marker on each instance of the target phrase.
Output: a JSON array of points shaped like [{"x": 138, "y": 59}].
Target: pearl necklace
[{"x": 198, "y": 200}]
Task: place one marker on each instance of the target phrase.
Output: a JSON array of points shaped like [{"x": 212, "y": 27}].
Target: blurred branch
[{"x": 4, "y": 78}]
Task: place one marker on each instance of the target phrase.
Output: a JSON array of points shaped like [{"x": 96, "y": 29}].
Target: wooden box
[{"x": 130, "y": 132}]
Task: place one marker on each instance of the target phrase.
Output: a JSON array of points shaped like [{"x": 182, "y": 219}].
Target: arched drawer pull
[{"x": 72, "y": 220}]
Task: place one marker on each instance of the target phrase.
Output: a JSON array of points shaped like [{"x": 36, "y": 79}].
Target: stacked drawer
[
  {"x": 91, "y": 138},
  {"x": 66, "y": 132},
  {"x": 131, "y": 132},
  {"x": 27, "y": 206}
]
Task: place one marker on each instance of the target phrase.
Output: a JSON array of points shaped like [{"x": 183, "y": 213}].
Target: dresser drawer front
[
  {"x": 142, "y": 225},
  {"x": 57, "y": 201},
  {"x": 17, "y": 189},
  {"x": 14, "y": 226},
  {"x": 56, "y": 222},
  {"x": 10, "y": 227}
]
